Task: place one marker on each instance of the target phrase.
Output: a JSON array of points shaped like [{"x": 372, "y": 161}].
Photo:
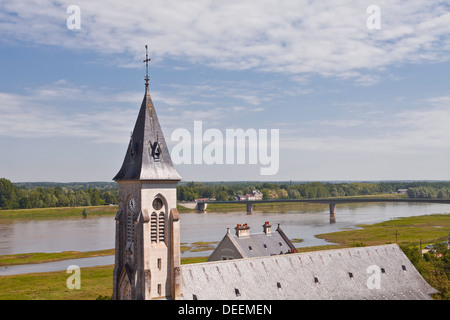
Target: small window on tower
[
  {"x": 156, "y": 151},
  {"x": 134, "y": 148}
]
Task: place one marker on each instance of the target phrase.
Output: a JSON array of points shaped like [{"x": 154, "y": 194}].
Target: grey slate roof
[
  {"x": 311, "y": 275},
  {"x": 140, "y": 162},
  {"x": 252, "y": 245},
  {"x": 275, "y": 244}
]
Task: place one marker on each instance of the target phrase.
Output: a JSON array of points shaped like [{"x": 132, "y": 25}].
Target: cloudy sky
[{"x": 355, "y": 94}]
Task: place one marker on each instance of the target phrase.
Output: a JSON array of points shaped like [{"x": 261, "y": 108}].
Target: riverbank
[
  {"x": 70, "y": 212},
  {"x": 407, "y": 231},
  {"x": 57, "y": 213},
  {"x": 42, "y": 257},
  {"x": 97, "y": 281}
]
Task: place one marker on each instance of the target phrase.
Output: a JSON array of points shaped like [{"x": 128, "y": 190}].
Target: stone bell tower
[{"x": 147, "y": 257}]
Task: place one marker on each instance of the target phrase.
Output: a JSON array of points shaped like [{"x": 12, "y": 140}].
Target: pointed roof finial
[{"x": 146, "y": 65}]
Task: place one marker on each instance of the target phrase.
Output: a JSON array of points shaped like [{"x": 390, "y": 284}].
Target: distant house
[
  {"x": 246, "y": 245},
  {"x": 257, "y": 194},
  {"x": 402, "y": 190},
  {"x": 250, "y": 197}
]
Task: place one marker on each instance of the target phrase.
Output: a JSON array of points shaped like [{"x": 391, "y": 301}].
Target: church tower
[{"x": 147, "y": 255}]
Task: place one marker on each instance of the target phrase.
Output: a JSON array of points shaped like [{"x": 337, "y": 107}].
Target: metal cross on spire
[{"x": 146, "y": 65}]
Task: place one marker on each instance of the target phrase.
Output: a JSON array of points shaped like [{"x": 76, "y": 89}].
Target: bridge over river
[{"x": 332, "y": 202}]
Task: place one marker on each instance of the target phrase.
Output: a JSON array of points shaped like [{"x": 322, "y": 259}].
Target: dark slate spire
[{"x": 147, "y": 156}]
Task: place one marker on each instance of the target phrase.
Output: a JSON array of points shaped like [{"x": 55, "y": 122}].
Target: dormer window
[
  {"x": 133, "y": 148},
  {"x": 156, "y": 151}
]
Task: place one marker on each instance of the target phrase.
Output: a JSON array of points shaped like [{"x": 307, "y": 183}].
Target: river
[{"x": 98, "y": 233}]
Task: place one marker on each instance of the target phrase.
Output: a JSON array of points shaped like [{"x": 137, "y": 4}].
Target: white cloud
[
  {"x": 42, "y": 113},
  {"x": 330, "y": 38},
  {"x": 63, "y": 109},
  {"x": 424, "y": 130}
]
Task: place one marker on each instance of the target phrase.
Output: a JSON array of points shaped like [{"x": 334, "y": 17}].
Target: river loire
[{"x": 98, "y": 233}]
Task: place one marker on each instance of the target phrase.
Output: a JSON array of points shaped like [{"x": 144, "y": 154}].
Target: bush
[{"x": 433, "y": 268}]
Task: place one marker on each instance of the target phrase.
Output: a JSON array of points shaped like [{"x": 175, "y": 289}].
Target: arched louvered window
[
  {"x": 161, "y": 227},
  {"x": 130, "y": 226},
  {"x": 153, "y": 228},
  {"x": 158, "y": 221}
]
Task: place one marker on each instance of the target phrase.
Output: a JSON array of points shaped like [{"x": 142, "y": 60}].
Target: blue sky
[{"x": 350, "y": 103}]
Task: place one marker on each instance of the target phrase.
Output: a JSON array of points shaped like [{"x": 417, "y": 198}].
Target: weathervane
[{"x": 146, "y": 65}]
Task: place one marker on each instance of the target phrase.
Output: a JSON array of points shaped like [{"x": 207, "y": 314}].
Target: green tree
[
  {"x": 8, "y": 199},
  {"x": 95, "y": 197}
]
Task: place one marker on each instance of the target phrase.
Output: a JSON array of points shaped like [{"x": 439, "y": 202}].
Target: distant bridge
[{"x": 201, "y": 205}]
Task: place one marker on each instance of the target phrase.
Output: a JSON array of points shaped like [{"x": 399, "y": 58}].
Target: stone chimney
[
  {"x": 242, "y": 230},
  {"x": 266, "y": 227}
]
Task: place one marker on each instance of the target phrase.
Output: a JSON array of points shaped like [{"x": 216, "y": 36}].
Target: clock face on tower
[
  {"x": 132, "y": 204},
  {"x": 157, "y": 204}
]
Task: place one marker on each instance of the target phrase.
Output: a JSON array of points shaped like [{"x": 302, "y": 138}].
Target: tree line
[
  {"x": 224, "y": 191},
  {"x": 34, "y": 195},
  {"x": 429, "y": 192},
  {"x": 49, "y": 194}
]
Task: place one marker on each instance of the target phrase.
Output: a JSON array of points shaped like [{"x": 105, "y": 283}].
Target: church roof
[
  {"x": 254, "y": 244},
  {"x": 261, "y": 244},
  {"x": 147, "y": 156},
  {"x": 340, "y": 274}
]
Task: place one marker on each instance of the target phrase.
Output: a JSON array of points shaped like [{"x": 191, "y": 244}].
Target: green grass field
[
  {"x": 40, "y": 257},
  {"x": 95, "y": 282},
  {"x": 410, "y": 232},
  {"x": 55, "y": 213}
]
